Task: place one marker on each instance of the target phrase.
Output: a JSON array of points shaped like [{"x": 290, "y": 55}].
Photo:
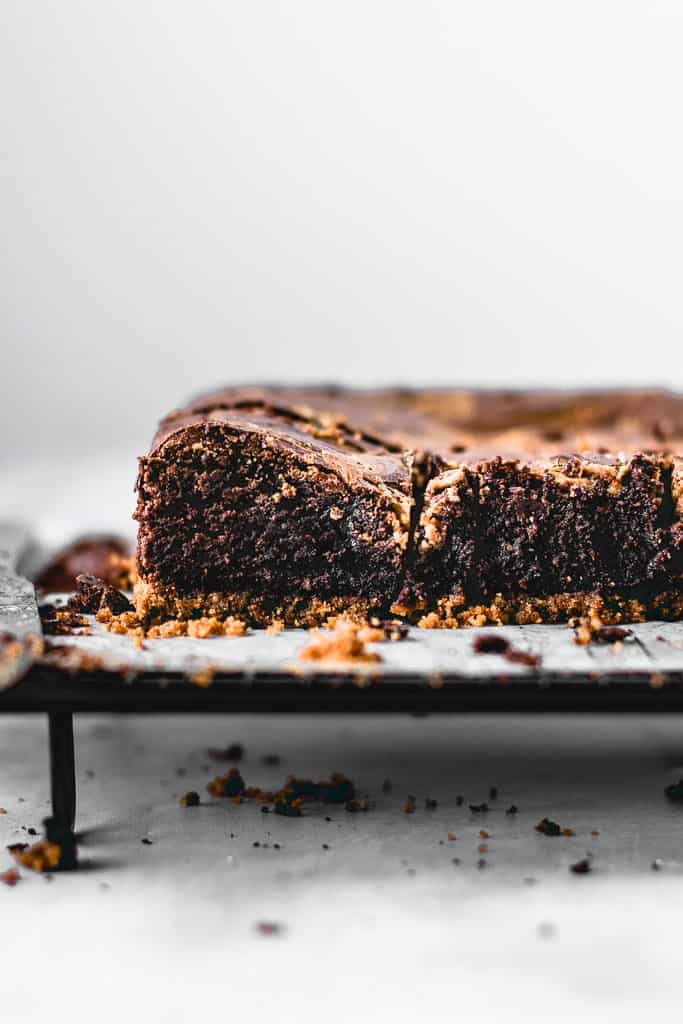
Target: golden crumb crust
[
  {"x": 155, "y": 601},
  {"x": 522, "y": 610}
]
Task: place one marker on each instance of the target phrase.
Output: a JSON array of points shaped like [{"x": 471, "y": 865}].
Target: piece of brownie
[
  {"x": 269, "y": 512},
  {"x": 535, "y": 539}
]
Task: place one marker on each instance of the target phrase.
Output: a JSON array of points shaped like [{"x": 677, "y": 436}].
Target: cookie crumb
[{"x": 346, "y": 644}]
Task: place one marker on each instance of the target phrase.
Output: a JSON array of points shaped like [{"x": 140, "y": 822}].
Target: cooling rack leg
[{"x": 62, "y": 768}]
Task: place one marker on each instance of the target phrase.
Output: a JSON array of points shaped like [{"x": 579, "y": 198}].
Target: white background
[{"x": 214, "y": 191}]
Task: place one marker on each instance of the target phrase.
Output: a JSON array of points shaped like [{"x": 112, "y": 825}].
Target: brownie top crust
[
  {"x": 337, "y": 451},
  {"x": 449, "y": 422}
]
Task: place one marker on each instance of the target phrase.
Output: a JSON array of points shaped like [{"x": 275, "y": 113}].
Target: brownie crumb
[
  {"x": 591, "y": 630},
  {"x": 674, "y": 791},
  {"x": 490, "y": 643},
  {"x": 391, "y": 629},
  {"x": 61, "y": 621},
  {"x": 581, "y": 867},
  {"x": 459, "y": 800},
  {"x": 548, "y": 827},
  {"x": 290, "y": 808},
  {"x": 512, "y": 809},
  {"x": 479, "y": 808},
  {"x": 523, "y": 658},
  {"x": 493, "y": 643},
  {"x": 410, "y": 805},
  {"x": 233, "y": 752},
  {"x": 611, "y": 635},
  {"x": 338, "y": 789},
  {"x": 357, "y": 805},
  {"x": 431, "y": 804},
  {"x": 596, "y": 628},
  {"x": 146, "y": 842},
  {"x": 94, "y": 595},
  {"x": 269, "y": 928},
  {"x": 190, "y": 799},
  {"x": 229, "y": 785}
]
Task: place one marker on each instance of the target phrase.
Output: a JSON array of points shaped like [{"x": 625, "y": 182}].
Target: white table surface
[{"x": 382, "y": 925}]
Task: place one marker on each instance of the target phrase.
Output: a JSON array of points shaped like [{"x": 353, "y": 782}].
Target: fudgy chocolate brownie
[
  {"x": 536, "y": 539},
  {"x": 294, "y": 503},
  {"x": 269, "y": 512}
]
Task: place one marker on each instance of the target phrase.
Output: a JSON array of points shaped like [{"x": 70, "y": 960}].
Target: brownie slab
[
  {"x": 293, "y": 503},
  {"x": 269, "y": 514}
]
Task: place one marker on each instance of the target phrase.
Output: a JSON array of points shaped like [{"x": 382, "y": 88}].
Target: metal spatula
[{"x": 19, "y": 617}]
